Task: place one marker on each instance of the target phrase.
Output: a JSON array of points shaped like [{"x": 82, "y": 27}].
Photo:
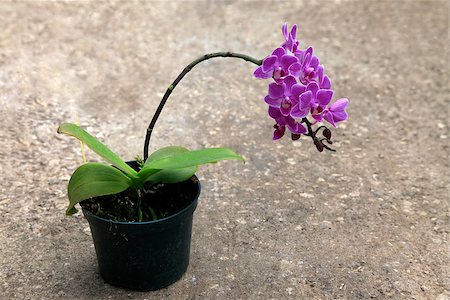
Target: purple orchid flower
[
  {"x": 284, "y": 121},
  {"x": 313, "y": 100},
  {"x": 307, "y": 68},
  {"x": 283, "y": 96},
  {"x": 276, "y": 66},
  {"x": 336, "y": 112},
  {"x": 301, "y": 90}
]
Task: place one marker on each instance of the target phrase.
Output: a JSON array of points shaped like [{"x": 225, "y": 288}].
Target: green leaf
[
  {"x": 165, "y": 152},
  {"x": 146, "y": 171},
  {"x": 172, "y": 176},
  {"x": 97, "y": 147},
  {"x": 192, "y": 158},
  {"x": 95, "y": 179},
  {"x": 148, "y": 174},
  {"x": 176, "y": 164}
]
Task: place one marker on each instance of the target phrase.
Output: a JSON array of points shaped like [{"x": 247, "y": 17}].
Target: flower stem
[
  {"x": 318, "y": 128},
  {"x": 311, "y": 133},
  {"x": 175, "y": 83}
]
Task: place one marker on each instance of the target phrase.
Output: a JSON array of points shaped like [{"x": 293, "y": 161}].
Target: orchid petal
[
  {"x": 279, "y": 52},
  {"x": 340, "y": 116},
  {"x": 329, "y": 117},
  {"x": 295, "y": 127},
  {"x": 314, "y": 62},
  {"x": 305, "y": 100},
  {"x": 326, "y": 84},
  {"x": 297, "y": 89},
  {"x": 299, "y": 54},
  {"x": 294, "y": 32},
  {"x": 284, "y": 30},
  {"x": 287, "y": 60},
  {"x": 289, "y": 82},
  {"x": 274, "y": 112},
  {"x": 301, "y": 129},
  {"x": 276, "y": 90},
  {"x": 285, "y": 109},
  {"x": 260, "y": 74},
  {"x": 324, "y": 96},
  {"x": 313, "y": 87},
  {"x": 268, "y": 63},
  {"x": 295, "y": 69},
  {"x": 307, "y": 56},
  {"x": 290, "y": 122},
  {"x": 339, "y": 105},
  {"x": 320, "y": 71},
  {"x": 296, "y": 112},
  {"x": 317, "y": 117},
  {"x": 281, "y": 120},
  {"x": 278, "y": 133},
  {"x": 273, "y": 102}
]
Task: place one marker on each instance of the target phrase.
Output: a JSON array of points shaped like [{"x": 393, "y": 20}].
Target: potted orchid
[{"x": 140, "y": 212}]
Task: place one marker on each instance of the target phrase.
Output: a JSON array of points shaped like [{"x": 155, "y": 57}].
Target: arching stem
[{"x": 175, "y": 83}]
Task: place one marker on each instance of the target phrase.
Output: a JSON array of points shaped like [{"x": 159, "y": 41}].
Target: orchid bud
[
  {"x": 319, "y": 145},
  {"x": 295, "y": 136},
  {"x": 327, "y": 133}
]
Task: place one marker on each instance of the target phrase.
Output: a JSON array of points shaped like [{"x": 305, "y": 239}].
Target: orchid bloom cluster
[{"x": 300, "y": 89}]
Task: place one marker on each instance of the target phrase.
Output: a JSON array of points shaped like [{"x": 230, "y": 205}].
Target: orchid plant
[{"x": 298, "y": 98}]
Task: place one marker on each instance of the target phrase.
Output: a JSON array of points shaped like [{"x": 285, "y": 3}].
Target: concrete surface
[{"x": 370, "y": 221}]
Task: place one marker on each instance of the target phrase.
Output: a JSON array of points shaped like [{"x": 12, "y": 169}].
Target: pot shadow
[
  {"x": 85, "y": 282},
  {"x": 81, "y": 280}
]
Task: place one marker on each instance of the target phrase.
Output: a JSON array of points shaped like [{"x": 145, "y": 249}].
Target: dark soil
[{"x": 163, "y": 199}]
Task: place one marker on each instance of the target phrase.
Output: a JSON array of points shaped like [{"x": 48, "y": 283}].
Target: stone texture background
[{"x": 370, "y": 221}]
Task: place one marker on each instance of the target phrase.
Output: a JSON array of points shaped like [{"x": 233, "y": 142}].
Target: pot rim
[{"x": 193, "y": 203}]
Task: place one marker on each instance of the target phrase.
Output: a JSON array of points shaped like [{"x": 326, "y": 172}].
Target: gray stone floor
[{"x": 370, "y": 221}]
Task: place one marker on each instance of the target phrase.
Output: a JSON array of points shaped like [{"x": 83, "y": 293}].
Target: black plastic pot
[{"x": 143, "y": 255}]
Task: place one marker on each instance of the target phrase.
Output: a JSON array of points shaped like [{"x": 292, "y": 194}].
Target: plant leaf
[
  {"x": 145, "y": 172},
  {"x": 97, "y": 147},
  {"x": 172, "y": 176},
  {"x": 95, "y": 179},
  {"x": 193, "y": 158},
  {"x": 165, "y": 152}
]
